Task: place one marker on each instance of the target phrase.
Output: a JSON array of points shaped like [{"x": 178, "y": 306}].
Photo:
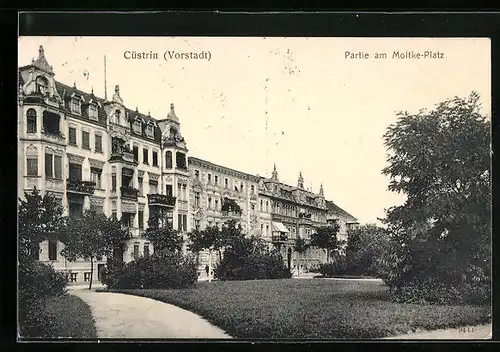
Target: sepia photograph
[{"x": 250, "y": 188}]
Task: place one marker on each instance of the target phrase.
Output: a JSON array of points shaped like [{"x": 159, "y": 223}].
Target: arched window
[
  {"x": 31, "y": 121},
  {"x": 168, "y": 159},
  {"x": 41, "y": 85},
  {"x": 117, "y": 116}
]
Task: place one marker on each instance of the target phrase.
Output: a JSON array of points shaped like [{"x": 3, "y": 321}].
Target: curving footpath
[{"x": 125, "y": 316}]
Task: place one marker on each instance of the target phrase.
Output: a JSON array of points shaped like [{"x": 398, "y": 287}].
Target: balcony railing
[
  {"x": 232, "y": 214},
  {"x": 279, "y": 238},
  {"x": 53, "y": 134},
  {"x": 161, "y": 199},
  {"x": 79, "y": 186},
  {"x": 129, "y": 193},
  {"x": 125, "y": 156}
]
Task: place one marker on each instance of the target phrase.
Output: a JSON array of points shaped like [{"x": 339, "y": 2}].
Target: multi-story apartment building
[{"x": 95, "y": 153}]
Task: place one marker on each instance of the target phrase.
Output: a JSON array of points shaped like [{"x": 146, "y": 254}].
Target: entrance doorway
[{"x": 99, "y": 269}]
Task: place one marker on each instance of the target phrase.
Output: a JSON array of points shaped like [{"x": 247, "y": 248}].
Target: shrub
[
  {"x": 159, "y": 271},
  {"x": 255, "y": 266},
  {"x": 338, "y": 267},
  {"x": 38, "y": 283}
]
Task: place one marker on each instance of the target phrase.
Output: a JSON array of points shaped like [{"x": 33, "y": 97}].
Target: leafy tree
[
  {"x": 93, "y": 235},
  {"x": 440, "y": 160},
  {"x": 300, "y": 247},
  {"x": 39, "y": 219},
  {"x": 162, "y": 235},
  {"x": 364, "y": 248},
  {"x": 325, "y": 237}
]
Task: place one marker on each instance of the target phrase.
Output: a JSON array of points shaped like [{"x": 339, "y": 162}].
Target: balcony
[
  {"x": 79, "y": 186},
  {"x": 123, "y": 156},
  {"x": 280, "y": 238},
  {"x": 129, "y": 193},
  {"x": 161, "y": 200},
  {"x": 231, "y": 214}
]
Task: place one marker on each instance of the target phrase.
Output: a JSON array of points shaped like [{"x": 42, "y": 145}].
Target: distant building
[{"x": 94, "y": 153}]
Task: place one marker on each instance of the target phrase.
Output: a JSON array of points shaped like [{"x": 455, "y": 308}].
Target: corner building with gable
[{"x": 95, "y": 153}]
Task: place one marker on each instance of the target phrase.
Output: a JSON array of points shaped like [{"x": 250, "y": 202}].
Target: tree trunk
[
  {"x": 298, "y": 264},
  {"x": 209, "y": 265},
  {"x": 220, "y": 256},
  {"x": 91, "y": 271},
  {"x": 327, "y": 255}
]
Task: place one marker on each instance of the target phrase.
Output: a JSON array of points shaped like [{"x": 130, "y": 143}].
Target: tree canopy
[
  {"x": 93, "y": 235},
  {"x": 326, "y": 237},
  {"x": 39, "y": 219},
  {"x": 162, "y": 235},
  {"x": 440, "y": 159}
]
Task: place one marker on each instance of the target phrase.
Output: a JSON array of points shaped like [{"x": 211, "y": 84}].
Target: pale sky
[{"x": 294, "y": 101}]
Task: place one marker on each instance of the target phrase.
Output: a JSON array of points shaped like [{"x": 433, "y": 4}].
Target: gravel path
[{"x": 125, "y": 316}]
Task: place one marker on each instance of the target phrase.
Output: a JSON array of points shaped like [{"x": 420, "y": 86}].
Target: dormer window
[
  {"x": 42, "y": 85},
  {"x": 93, "y": 111},
  {"x": 150, "y": 130},
  {"x": 76, "y": 106},
  {"x": 137, "y": 126},
  {"x": 117, "y": 116}
]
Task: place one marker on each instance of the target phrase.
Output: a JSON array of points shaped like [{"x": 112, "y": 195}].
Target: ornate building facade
[{"x": 95, "y": 153}]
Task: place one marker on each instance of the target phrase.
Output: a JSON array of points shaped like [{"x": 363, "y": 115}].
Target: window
[
  {"x": 209, "y": 202},
  {"x": 168, "y": 159},
  {"x": 179, "y": 222},
  {"x": 85, "y": 140},
  {"x": 146, "y": 249},
  {"x": 72, "y": 136},
  {"x": 216, "y": 180},
  {"x": 168, "y": 190},
  {"x": 262, "y": 229},
  {"x": 153, "y": 187},
  {"x": 184, "y": 192},
  {"x": 184, "y": 222},
  {"x": 209, "y": 178},
  {"x": 197, "y": 174},
  {"x": 141, "y": 219},
  {"x": 93, "y": 112},
  {"x": 52, "y": 249},
  {"x": 155, "y": 158},
  {"x": 197, "y": 225},
  {"x": 216, "y": 205},
  {"x": 150, "y": 131},
  {"x": 261, "y": 207},
  {"x": 252, "y": 189},
  {"x": 75, "y": 171},
  {"x": 118, "y": 114},
  {"x": 86, "y": 276},
  {"x": 76, "y": 106},
  {"x": 41, "y": 85},
  {"x": 58, "y": 167},
  {"x": 226, "y": 183},
  {"x": 136, "y": 152},
  {"x": 141, "y": 186},
  {"x": 267, "y": 206},
  {"x": 113, "y": 215},
  {"x": 95, "y": 176},
  {"x": 73, "y": 277},
  {"x": 31, "y": 121},
  {"x": 98, "y": 143},
  {"x": 48, "y": 166},
  {"x": 197, "y": 199},
  {"x": 137, "y": 127},
  {"x": 241, "y": 187},
  {"x": 32, "y": 165},
  {"x": 253, "y": 207},
  {"x": 136, "y": 250},
  {"x": 145, "y": 156},
  {"x": 113, "y": 182}
]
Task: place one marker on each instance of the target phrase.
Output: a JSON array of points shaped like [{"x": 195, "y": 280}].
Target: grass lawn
[
  {"x": 72, "y": 318},
  {"x": 315, "y": 309}
]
